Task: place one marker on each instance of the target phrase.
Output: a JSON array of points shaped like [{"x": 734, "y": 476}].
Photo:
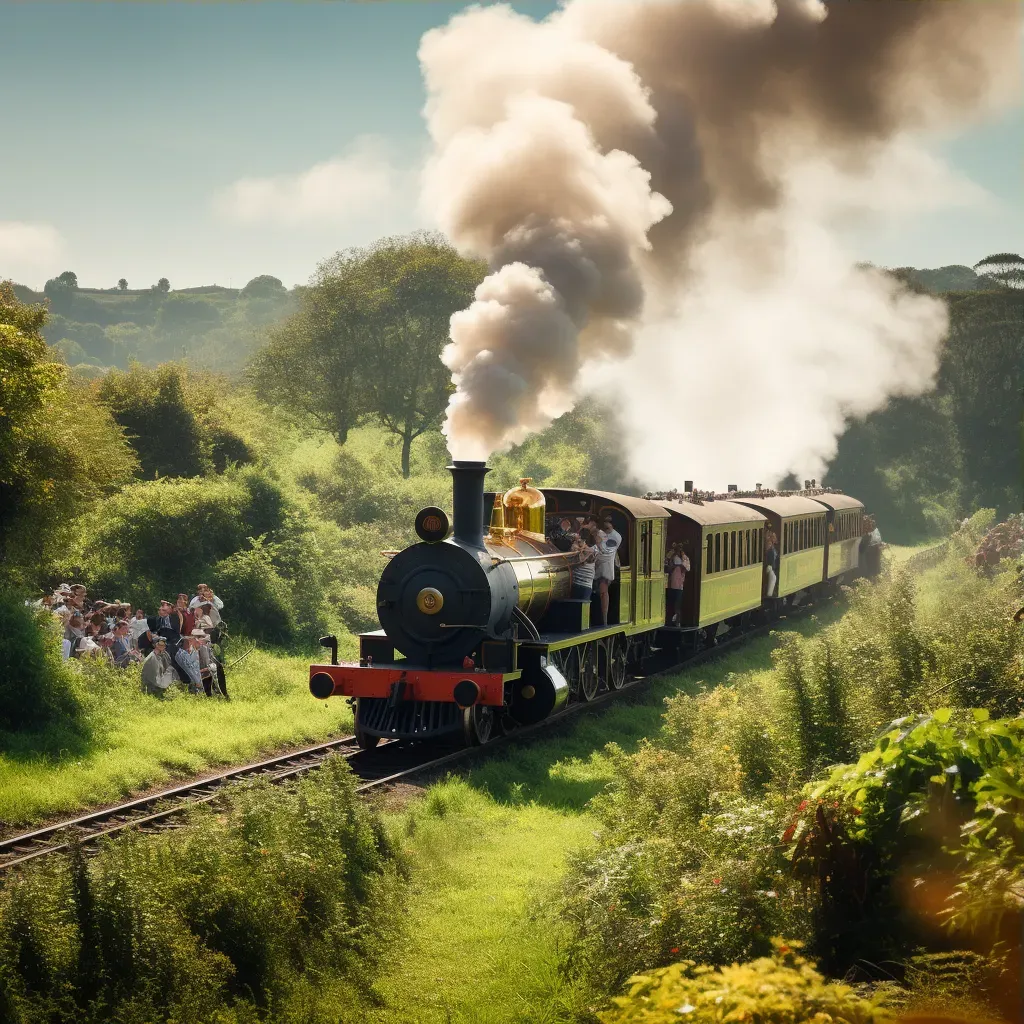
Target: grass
[
  {"x": 488, "y": 850},
  {"x": 132, "y": 741}
]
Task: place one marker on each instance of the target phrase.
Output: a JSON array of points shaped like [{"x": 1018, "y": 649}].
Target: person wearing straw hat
[{"x": 158, "y": 673}]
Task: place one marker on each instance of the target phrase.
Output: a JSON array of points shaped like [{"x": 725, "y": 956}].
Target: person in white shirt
[
  {"x": 209, "y": 602},
  {"x": 138, "y": 626},
  {"x": 609, "y": 541}
]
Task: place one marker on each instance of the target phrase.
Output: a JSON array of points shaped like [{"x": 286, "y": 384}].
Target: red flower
[
  {"x": 788, "y": 834},
  {"x": 715, "y": 881},
  {"x": 803, "y": 806},
  {"x": 674, "y": 949},
  {"x": 783, "y": 949}
]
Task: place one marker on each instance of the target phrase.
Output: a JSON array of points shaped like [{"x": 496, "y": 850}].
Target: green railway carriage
[
  {"x": 637, "y": 597},
  {"x": 800, "y": 524},
  {"x": 845, "y": 516},
  {"x": 724, "y": 541}
]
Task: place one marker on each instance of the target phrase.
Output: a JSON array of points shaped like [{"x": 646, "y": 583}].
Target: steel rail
[{"x": 19, "y": 849}]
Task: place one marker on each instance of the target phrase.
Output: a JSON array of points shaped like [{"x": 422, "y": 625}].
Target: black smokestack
[{"x": 468, "y": 501}]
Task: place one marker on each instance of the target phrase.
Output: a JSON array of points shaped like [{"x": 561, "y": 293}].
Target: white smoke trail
[{"x": 684, "y": 161}]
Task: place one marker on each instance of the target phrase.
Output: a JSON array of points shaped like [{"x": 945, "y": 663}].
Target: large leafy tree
[
  {"x": 367, "y": 339},
  {"x": 59, "y": 449}
]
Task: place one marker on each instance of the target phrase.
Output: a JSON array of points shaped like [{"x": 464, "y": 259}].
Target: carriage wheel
[
  {"x": 613, "y": 657},
  {"x": 479, "y": 724},
  {"x": 590, "y": 680}
]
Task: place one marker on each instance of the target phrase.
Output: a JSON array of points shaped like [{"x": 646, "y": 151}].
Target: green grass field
[
  {"x": 133, "y": 741},
  {"x": 488, "y": 850}
]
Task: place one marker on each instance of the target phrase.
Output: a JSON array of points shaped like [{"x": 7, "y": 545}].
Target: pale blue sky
[{"x": 126, "y": 124}]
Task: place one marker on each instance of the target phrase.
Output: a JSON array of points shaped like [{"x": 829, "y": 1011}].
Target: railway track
[{"x": 389, "y": 763}]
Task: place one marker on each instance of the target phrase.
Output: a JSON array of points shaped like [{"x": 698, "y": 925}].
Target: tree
[
  {"x": 263, "y": 286},
  {"x": 122, "y": 284},
  {"x": 367, "y": 339},
  {"x": 59, "y": 449},
  {"x": 163, "y": 285},
  {"x": 69, "y": 279},
  {"x": 1005, "y": 267}
]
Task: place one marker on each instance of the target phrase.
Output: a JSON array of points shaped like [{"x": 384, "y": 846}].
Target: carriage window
[
  {"x": 758, "y": 538},
  {"x": 718, "y": 552},
  {"x": 732, "y": 549},
  {"x": 710, "y": 548}
]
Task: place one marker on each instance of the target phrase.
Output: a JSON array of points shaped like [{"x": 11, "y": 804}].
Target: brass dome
[{"x": 524, "y": 508}]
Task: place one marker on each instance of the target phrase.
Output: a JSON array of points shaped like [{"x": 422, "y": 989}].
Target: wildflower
[
  {"x": 674, "y": 949},
  {"x": 783, "y": 949},
  {"x": 803, "y": 806},
  {"x": 716, "y": 881},
  {"x": 788, "y": 834},
  {"x": 686, "y": 1008}
]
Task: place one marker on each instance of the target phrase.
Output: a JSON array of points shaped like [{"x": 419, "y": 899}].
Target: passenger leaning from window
[
  {"x": 608, "y": 542},
  {"x": 583, "y": 571},
  {"x": 678, "y": 567},
  {"x": 771, "y": 560}
]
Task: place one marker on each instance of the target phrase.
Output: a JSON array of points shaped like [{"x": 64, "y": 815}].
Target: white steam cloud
[{"x": 658, "y": 188}]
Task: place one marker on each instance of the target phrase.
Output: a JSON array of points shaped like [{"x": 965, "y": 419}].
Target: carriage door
[{"x": 643, "y": 575}]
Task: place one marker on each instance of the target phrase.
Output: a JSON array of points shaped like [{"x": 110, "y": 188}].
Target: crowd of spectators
[
  {"x": 596, "y": 543},
  {"x": 182, "y": 645}
]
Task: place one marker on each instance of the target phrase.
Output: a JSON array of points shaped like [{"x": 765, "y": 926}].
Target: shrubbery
[
  {"x": 35, "y": 688},
  {"x": 284, "y": 905},
  {"x": 780, "y": 989},
  {"x": 695, "y": 857}
]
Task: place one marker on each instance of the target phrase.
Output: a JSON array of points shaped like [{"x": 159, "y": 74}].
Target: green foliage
[
  {"x": 932, "y": 794},
  {"x": 58, "y": 449},
  {"x": 919, "y": 462},
  {"x": 35, "y": 688},
  {"x": 170, "y": 417},
  {"x": 235, "y": 916},
  {"x": 691, "y": 858},
  {"x": 367, "y": 339},
  {"x": 780, "y": 989}
]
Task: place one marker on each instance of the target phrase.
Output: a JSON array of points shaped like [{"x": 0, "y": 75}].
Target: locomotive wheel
[
  {"x": 590, "y": 680},
  {"x": 567, "y": 661},
  {"x": 479, "y": 724},
  {"x": 365, "y": 740}
]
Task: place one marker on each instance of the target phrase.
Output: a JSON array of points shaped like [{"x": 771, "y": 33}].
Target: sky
[{"x": 209, "y": 143}]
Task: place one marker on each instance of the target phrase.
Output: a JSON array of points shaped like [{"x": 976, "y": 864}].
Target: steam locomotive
[{"x": 478, "y": 629}]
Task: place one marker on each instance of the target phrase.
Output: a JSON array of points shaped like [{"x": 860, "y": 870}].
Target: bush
[
  {"x": 171, "y": 418},
  {"x": 934, "y": 795},
  {"x": 35, "y": 688},
  {"x": 779, "y": 989},
  {"x": 288, "y": 898}
]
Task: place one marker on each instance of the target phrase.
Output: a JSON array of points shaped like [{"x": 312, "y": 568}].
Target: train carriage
[
  {"x": 800, "y": 524},
  {"x": 724, "y": 541},
  {"x": 845, "y": 516}
]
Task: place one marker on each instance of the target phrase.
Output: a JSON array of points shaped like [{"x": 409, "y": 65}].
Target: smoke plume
[{"x": 658, "y": 187}]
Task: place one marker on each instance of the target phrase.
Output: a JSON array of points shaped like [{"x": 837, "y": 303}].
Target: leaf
[
  {"x": 942, "y": 715},
  {"x": 980, "y": 714}
]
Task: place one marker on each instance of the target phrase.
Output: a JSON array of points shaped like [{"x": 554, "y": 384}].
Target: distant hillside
[
  {"x": 218, "y": 328},
  {"x": 211, "y": 326},
  {"x": 947, "y": 279}
]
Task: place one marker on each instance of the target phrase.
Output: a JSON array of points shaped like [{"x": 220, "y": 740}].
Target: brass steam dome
[{"x": 524, "y": 509}]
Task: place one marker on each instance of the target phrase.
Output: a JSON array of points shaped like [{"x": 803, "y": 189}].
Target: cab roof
[{"x": 639, "y": 508}]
